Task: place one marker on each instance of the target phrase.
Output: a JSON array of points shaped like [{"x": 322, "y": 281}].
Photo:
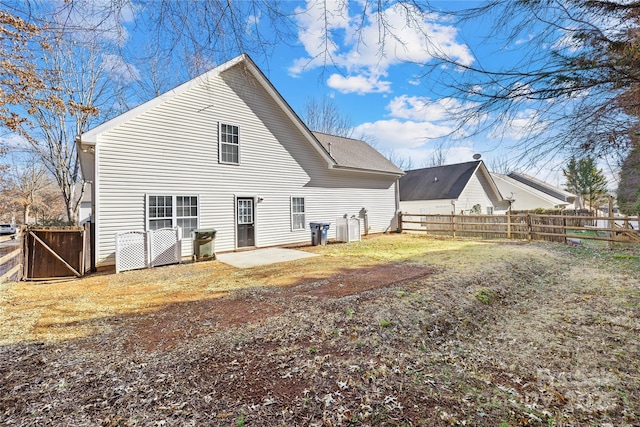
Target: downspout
[{"x": 396, "y": 218}]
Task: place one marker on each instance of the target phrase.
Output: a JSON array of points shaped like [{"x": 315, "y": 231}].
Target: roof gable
[
  {"x": 348, "y": 154},
  {"x": 437, "y": 183},
  {"x": 90, "y": 138}
]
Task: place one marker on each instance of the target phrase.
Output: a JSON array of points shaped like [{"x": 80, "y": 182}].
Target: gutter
[{"x": 378, "y": 172}]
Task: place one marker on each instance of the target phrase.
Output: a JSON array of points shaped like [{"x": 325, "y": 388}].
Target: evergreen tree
[{"x": 585, "y": 180}]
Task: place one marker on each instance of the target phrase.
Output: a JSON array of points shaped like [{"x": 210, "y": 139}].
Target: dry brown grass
[{"x": 394, "y": 330}]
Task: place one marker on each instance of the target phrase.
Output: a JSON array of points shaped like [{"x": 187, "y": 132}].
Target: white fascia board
[
  {"x": 370, "y": 171},
  {"x": 90, "y": 137},
  {"x": 489, "y": 178}
]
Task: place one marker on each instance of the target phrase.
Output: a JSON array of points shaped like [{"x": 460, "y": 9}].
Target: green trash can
[{"x": 204, "y": 244}]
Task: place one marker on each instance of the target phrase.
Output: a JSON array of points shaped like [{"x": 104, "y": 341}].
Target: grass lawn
[{"x": 393, "y": 330}]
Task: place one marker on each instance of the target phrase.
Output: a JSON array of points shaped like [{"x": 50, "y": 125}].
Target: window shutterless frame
[
  {"x": 228, "y": 144},
  {"x": 171, "y": 210},
  {"x": 298, "y": 211}
]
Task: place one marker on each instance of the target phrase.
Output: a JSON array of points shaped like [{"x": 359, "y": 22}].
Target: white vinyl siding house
[
  {"x": 231, "y": 155},
  {"x": 525, "y": 196}
]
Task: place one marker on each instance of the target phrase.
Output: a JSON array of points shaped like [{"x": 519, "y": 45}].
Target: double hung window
[
  {"x": 229, "y": 144},
  {"x": 297, "y": 213},
  {"x": 172, "y": 211}
]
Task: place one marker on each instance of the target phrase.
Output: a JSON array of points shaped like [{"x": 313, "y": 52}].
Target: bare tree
[
  {"x": 580, "y": 60},
  {"x": 501, "y": 165},
  {"x": 404, "y": 163},
  {"x": 20, "y": 81},
  {"x": 438, "y": 157},
  {"x": 22, "y": 187},
  {"x": 76, "y": 77},
  {"x": 324, "y": 116}
]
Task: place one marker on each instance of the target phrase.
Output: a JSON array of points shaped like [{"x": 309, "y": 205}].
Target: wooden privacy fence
[
  {"x": 55, "y": 252},
  {"x": 567, "y": 227}
]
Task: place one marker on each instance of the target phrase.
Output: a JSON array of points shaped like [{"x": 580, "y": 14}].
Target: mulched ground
[{"x": 175, "y": 323}]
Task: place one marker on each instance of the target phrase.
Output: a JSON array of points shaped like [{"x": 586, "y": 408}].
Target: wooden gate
[{"x": 54, "y": 252}]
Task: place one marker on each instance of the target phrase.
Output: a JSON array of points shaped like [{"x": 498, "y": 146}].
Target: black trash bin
[
  {"x": 319, "y": 232},
  {"x": 204, "y": 244}
]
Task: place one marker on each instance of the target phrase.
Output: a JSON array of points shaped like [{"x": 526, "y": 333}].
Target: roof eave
[{"x": 379, "y": 172}]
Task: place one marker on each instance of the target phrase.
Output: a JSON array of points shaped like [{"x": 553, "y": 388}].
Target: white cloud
[
  {"x": 358, "y": 84},
  {"x": 524, "y": 124},
  {"x": 396, "y": 134},
  {"x": 422, "y": 108},
  {"x": 365, "y": 48},
  {"x": 119, "y": 69},
  {"x": 412, "y": 131}
]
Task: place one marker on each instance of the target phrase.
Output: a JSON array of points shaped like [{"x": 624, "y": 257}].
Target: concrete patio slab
[{"x": 248, "y": 259}]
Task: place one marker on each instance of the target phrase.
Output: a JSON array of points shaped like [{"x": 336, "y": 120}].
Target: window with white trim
[
  {"x": 172, "y": 211},
  {"x": 297, "y": 213},
  {"x": 229, "y": 144},
  {"x": 489, "y": 210}
]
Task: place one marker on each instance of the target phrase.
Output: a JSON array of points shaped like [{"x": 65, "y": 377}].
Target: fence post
[
  {"x": 612, "y": 234},
  {"x": 453, "y": 224},
  {"x": 509, "y": 222},
  {"x": 400, "y": 222},
  {"x": 528, "y": 220}
]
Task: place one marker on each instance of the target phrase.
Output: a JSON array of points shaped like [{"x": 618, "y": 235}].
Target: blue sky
[{"x": 398, "y": 106}]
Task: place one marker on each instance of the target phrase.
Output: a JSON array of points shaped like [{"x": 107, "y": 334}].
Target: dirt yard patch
[{"x": 394, "y": 330}]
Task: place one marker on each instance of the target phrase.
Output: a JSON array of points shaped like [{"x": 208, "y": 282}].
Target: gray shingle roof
[
  {"x": 436, "y": 183},
  {"x": 543, "y": 186},
  {"x": 356, "y": 154}
]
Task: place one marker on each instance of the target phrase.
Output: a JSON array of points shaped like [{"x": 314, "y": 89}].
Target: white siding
[
  {"x": 527, "y": 198},
  {"x": 172, "y": 149},
  {"x": 428, "y": 207},
  {"x": 477, "y": 192}
]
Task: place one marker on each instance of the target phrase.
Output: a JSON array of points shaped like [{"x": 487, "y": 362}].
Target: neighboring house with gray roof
[
  {"x": 463, "y": 188},
  {"x": 226, "y": 151},
  {"x": 526, "y": 193},
  {"x": 569, "y": 200}
]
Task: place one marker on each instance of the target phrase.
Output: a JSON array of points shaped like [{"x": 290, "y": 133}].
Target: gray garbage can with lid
[
  {"x": 319, "y": 232},
  {"x": 204, "y": 244}
]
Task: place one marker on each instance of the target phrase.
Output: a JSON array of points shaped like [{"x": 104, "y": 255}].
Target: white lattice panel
[
  {"x": 131, "y": 251},
  {"x": 165, "y": 246}
]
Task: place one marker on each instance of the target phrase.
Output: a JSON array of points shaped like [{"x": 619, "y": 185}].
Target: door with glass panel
[{"x": 246, "y": 224}]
